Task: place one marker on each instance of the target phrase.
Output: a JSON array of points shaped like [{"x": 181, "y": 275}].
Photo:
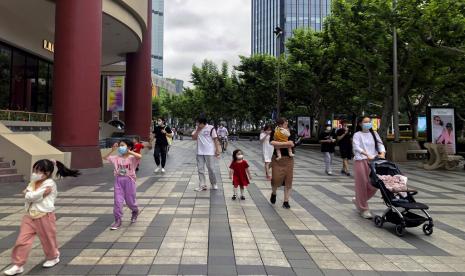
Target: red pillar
[
  {"x": 76, "y": 104},
  {"x": 138, "y": 98}
]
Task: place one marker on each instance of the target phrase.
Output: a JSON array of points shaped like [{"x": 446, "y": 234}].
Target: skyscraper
[
  {"x": 157, "y": 36},
  {"x": 286, "y": 14}
]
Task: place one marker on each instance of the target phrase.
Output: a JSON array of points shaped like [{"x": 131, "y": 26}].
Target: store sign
[
  {"x": 49, "y": 46},
  {"x": 115, "y": 93}
]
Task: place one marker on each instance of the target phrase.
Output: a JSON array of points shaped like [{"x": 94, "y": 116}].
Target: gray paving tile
[
  {"x": 135, "y": 270},
  {"x": 336, "y": 272},
  {"x": 284, "y": 271},
  {"x": 193, "y": 269},
  {"x": 250, "y": 270},
  {"x": 105, "y": 269},
  {"x": 164, "y": 269}
]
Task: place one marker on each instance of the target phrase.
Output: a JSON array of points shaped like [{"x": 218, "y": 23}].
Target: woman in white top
[
  {"x": 267, "y": 149},
  {"x": 39, "y": 218},
  {"x": 367, "y": 145}
]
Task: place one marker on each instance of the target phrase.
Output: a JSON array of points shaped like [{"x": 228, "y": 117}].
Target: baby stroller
[{"x": 399, "y": 208}]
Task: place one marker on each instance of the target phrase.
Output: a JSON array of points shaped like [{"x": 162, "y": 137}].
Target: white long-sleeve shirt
[
  {"x": 36, "y": 203},
  {"x": 363, "y": 141}
]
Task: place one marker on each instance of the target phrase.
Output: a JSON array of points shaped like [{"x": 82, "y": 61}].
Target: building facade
[
  {"x": 53, "y": 54},
  {"x": 157, "y": 36},
  {"x": 286, "y": 14}
]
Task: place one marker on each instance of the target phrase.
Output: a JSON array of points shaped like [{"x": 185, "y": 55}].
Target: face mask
[
  {"x": 240, "y": 157},
  {"x": 328, "y": 128},
  {"x": 160, "y": 123},
  {"x": 366, "y": 126},
  {"x": 36, "y": 177},
  {"x": 122, "y": 150}
]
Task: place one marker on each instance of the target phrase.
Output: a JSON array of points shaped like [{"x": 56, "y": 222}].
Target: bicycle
[{"x": 223, "y": 144}]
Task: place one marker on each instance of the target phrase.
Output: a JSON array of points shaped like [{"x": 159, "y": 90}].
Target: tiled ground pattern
[{"x": 181, "y": 232}]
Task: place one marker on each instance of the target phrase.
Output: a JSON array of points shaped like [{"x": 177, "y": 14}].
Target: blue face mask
[
  {"x": 122, "y": 150},
  {"x": 367, "y": 126}
]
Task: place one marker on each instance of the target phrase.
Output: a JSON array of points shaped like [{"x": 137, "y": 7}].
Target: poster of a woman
[{"x": 443, "y": 128}]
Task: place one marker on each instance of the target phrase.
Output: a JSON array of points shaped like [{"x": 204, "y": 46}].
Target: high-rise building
[
  {"x": 157, "y": 36},
  {"x": 286, "y": 14}
]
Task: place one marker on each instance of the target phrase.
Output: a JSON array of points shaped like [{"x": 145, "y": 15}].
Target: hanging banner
[
  {"x": 376, "y": 122},
  {"x": 115, "y": 93},
  {"x": 441, "y": 127}
]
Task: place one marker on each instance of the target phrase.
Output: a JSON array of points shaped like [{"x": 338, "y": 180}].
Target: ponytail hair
[
  {"x": 48, "y": 166},
  {"x": 63, "y": 171}
]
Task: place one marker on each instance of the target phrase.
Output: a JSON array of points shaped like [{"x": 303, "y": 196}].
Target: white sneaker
[
  {"x": 157, "y": 169},
  {"x": 201, "y": 188},
  {"x": 51, "y": 263},
  {"x": 163, "y": 170},
  {"x": 14, "y": 270},
  {"x": 355, "y": 203},
  {"x": 215, "y": 187},
  {"x": 366, "y": 214}
]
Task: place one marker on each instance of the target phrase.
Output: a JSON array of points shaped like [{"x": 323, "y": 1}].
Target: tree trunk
[{"x": 414, "y": 125}]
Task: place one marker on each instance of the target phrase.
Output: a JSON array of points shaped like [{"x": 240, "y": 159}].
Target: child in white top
[{"x": 39, "y": 219}]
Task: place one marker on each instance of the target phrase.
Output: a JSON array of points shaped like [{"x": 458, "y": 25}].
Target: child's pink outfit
[{"x": 39, "y": 220}]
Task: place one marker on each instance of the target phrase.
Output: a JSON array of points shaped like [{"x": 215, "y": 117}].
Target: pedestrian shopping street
[{"x": 184, "y": 232}]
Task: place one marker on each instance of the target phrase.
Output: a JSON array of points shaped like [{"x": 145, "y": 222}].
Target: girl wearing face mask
[
  {"x": 239, "y": 173},
  {"x": 39, "y": 220},
  {"x": 328, "y": 144},
  {"x": 367, "y": 146},
  {"x": 267, "y": 149},
  {"x": 124, "y": 164}
]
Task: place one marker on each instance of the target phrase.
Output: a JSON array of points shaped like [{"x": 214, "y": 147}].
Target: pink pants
[
  {"x": 45, "y": 228},
  {"x": 363, "y": 188}
]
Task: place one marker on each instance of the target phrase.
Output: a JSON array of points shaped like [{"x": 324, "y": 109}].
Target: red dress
[
  {"x": 240, "y": 175},
  {"x": 138, "y": 147}
]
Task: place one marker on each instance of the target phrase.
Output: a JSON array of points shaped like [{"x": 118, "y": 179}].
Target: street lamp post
[
  {"x": 278, "y": 33},
  {"x": 395, "y": 91}
]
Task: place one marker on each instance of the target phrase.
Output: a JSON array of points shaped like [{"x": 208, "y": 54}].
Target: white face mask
[
  {"x": 240, "y": 157},
  {"x": 36, "y": 177},
  {"x": 328, "y": 128}
]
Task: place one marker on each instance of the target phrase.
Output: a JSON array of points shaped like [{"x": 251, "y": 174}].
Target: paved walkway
[{"x": 183, "y": 232}]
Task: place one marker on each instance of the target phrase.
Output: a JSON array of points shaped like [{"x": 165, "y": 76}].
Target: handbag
[{"x": 169, "y": 139}]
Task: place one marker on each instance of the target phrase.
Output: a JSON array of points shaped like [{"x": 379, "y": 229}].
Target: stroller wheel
[
  {"x": 378, "y": 221},
  {"x": 400, "y": 230},
  {"x": 427, "y": 229}
]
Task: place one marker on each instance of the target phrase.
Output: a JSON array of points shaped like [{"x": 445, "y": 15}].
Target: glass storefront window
[
  {"x": 42, "y": 87},
  {"x": 31, "y": 84},
  {"x": 18, "y": 82},
  {"x": 5, "y": 75}
]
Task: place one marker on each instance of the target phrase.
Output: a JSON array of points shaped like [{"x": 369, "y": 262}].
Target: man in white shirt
[
  {"x": 207, "y": 150},
  {"x": 223, "y": 134}
]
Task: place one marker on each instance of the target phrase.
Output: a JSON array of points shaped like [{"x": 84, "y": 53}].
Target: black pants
[{"x": 160, "y": 151}]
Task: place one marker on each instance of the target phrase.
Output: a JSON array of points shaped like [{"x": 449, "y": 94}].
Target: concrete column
[
  {"x": 138, "y": 99},
  {"x": 76, "y": 95}
]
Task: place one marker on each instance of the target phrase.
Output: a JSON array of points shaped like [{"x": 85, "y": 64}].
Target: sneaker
[
  {"x": 215, "y": 187},
  {"x": 14, "y": 270},
  {"x": 329, "y": 173},
  {"x": 366, "y": 214},
  {"x": 163, "y": 170},
  {"x": 242, "y": 197},
  {"x": 348, "y": 174},
  {"x": 343, "y": 172},
  {"x": 201, "y": 188},
  {"x": 234, "y": 197},
  {"x": 115, "y": 225},
  {"x": 134, "y": 216},
  {"x": 273, "y": 198},
  {"x": 51, "y": 263},
  {"x": 286, "y": 205},
  {"x": 157, "y": 169}
]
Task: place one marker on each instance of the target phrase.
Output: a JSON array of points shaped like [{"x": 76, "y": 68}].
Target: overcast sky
[{"x": 204, "y": 29}]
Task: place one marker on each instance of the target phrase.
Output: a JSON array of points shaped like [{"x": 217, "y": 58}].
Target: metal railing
[{"x": 12, "y": 115}]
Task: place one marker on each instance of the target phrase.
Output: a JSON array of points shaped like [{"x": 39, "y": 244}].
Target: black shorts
[{"x": 346, "y": 153}]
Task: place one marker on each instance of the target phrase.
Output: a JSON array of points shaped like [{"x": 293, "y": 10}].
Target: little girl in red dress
[{"x": 239, "y": 173}]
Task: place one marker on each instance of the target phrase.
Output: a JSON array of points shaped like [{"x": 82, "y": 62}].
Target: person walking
[
  {"x": 367, "y": 146},
  {"x": 161, "y": 134},
  {"x": 124, "y": 169},
  {"x": 39, "y": 219},
  {"x": 344, "y": 138},
  {"x": 239, "y": 173},
  {"x": 223, "y": 136},
  {"x": 282, "y": 170},
  {"x": 267, "y": 149},
  {"x": 207, "y": 149},
  {"x": 328, "y": 144}
]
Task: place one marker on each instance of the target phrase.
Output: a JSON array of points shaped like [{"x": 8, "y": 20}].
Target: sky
[{"x": 217, "y": 30}]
